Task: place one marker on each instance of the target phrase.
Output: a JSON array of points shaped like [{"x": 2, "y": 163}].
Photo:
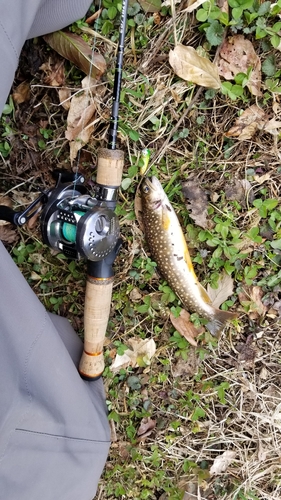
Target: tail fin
[{"x": 218, "y": 322}]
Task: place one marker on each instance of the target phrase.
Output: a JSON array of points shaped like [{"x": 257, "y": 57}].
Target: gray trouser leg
[
  {"x": 54, "y": 433},
  {"x": 23, "y": 19}
]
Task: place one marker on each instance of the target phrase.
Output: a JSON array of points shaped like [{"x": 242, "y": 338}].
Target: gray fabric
[
  {"x": 54, "y": 433},
  {"x": 23, "y": 19}
]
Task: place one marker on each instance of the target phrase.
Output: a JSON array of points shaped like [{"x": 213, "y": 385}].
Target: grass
[{"x": 222, "y": 395}]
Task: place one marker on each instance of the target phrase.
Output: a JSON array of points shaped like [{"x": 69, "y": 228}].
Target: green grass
[{"x": 223, "y": 394}]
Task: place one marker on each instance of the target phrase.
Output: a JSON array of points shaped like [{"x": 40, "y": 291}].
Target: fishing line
[{"x": 88, "y": 94}]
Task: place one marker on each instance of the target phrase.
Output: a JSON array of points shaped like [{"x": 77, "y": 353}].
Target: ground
[{"x": 197, "y": 418}]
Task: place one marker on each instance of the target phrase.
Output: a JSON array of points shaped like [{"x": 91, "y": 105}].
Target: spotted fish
[{"x": 169, "y": 250}]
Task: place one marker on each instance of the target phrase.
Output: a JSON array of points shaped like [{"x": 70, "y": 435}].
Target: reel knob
[{"x": 97, "y": 233}]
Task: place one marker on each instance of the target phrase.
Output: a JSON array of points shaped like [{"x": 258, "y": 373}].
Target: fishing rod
[{"x": 83, "y": 226}]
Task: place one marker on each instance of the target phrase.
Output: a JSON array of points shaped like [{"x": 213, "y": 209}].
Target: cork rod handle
[{"x": 96, "y": 314}]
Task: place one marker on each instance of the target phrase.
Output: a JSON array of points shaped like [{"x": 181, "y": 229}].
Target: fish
[{"x": 168, "y": 248}]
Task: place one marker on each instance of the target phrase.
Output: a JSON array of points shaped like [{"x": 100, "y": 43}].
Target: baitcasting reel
[{"x": 73, "y": 222}]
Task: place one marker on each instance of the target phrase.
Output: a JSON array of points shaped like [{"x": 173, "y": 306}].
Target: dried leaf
[
  {"x": 260, "y": 179},
  {"x": 140, "y": 355},
  {"x": 135, "y": 295},
  {"x": 186, "y": 367},
  {"x": 93, "y": 17},
  {"x": 272, "y": 126},
  {"x": 190, "y": 66},
  {"x": 150, "y": 5},
  {"x": 240, "y": 190},
  {"x": 198, "y": 202},
  {"x": 76, "y": 50},
  {"x": 21, "y": 93},
  {"x": 5, "y": 200},
  {"x": 80, "y": 117},
  {"x": 250, "y": 298},
  {"x": 54, "y": 73},
  {"x": 9, "y": 234},
  {"x": 222, "y": 462},
  {"x": 247, "y": 123},
  {"x": 146, "y": 427},
  {"x": 237, "y": 55},
  {"x": 167, "y": 3},
  {"x": 65, "y": 97},
  {"x": 193, "y": 5},
  {"x": 225, "y": 289},
  {"x": 185, "y": 327}
]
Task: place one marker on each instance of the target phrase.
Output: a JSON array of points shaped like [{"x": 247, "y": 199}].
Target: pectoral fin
[{"x": 204, "y": 294}]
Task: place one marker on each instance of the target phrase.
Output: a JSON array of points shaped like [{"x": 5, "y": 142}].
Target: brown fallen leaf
[
  {"x": 5, "y": 200},
  {"x": 240, "y": 190},
  {"x": 146, "y": 427},
  {"x": 272, "y": 127},
  {"x": 247, "y": 123},
  {"x": 9, "y": 234},
  {"x": 225, "y": 289},
  {"x": 150, "y": 5},
  {"x": 260, "y": 179},
  {"x": 251, "y": 120},
  {"x": 247, "y": 353},
  {"x": 76, "y": 50},
  {"x": 185, "y": 327},
  {"x": 93, "y": 17},
  {"x": 65, "y": 97},
  {"x": 186, "y": 367},
  {"x": 21, "y": 93},
  {"x": 251, "y": 299},
  {"x": 237, "y": 55},
  {"x": 54, "y": 73},
  {"x": 80, "y": 117},
  {"x": 135, "y": 295},
  {"x": 198, "y": 202},
  {"x": 190, "y": 66}
]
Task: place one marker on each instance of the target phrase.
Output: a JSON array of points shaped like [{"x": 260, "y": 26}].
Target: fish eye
[{"x": 146, "y": 189}]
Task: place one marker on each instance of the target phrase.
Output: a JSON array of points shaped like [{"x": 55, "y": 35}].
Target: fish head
[{"x": 152, "y": 193}]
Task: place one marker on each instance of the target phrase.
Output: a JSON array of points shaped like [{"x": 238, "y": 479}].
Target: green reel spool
[{"x": 69, "y": 231}]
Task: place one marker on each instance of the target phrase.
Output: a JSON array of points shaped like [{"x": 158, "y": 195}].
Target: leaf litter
[
  {"x": 237, "y": 55},
  {"x": 185, "y": 327},
  {"x": 81, "y": 114},
  {"x": 197, "y": 205},
  {"x": 250, "y": 121},
  {"x": 140, "y": 354}
]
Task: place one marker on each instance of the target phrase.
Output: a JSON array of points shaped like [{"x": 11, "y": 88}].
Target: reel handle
[
  {"x": 97, "y": 309},
  {"x": 100, "y": 277}
]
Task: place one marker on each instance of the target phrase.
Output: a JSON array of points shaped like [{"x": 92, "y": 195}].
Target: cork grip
[
  {"x": 110, "y": 167},
  {"x": 96, "y": 314}
]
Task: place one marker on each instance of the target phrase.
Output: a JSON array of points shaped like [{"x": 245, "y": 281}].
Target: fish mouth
[
  {"x": 153, "y": 188},
  {"x": 152, "y": 183}
]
